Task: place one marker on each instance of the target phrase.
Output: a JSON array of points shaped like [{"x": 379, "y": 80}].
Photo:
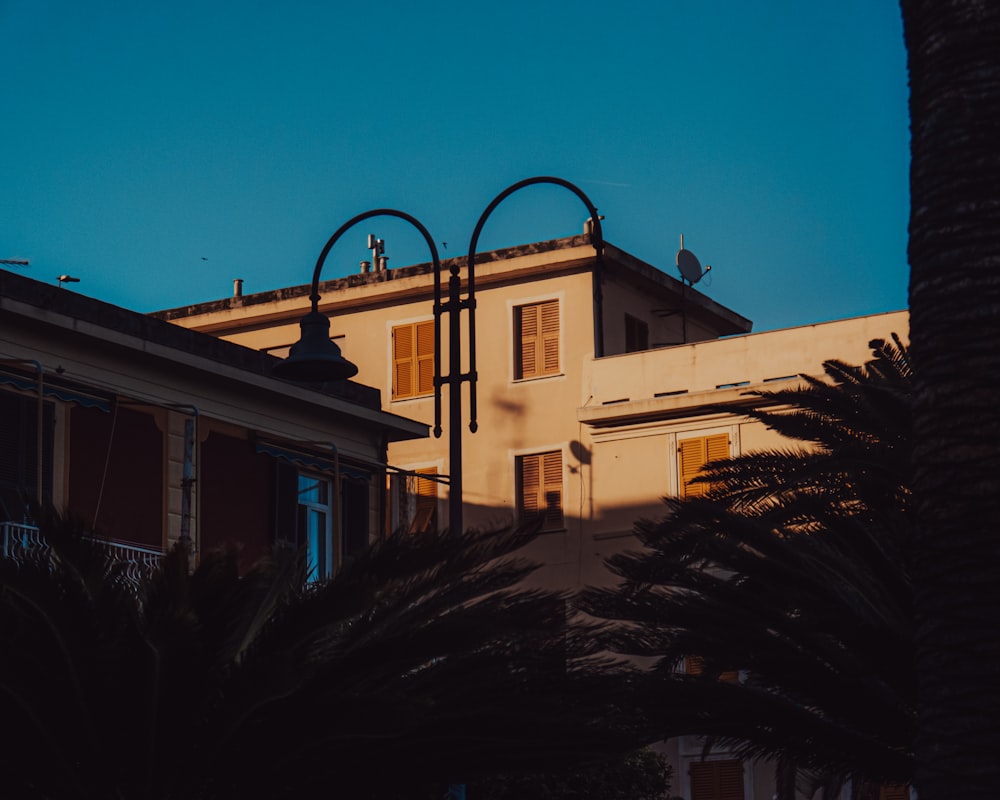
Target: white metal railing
[
  {"x": 139, "y": 561},
  {"x": 20, "y": 539}
]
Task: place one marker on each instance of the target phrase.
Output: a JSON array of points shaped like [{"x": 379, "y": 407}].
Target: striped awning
[
  {"x": 59, "y": 391},
  {"x": 311, "y": 459}
]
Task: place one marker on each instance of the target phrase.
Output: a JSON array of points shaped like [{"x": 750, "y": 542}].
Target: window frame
[
  {"x": 422, "y": 336},
  {"x": 543, "y": 488},
  {"x": 425, "y": 492},
  {"x": 694, "y": 764},
  {"x": 328, "y": 550},
  {"x": 541, "y": 354},
  {"x": 680, "y": 487},
  {"x": 695, "y": 666}
]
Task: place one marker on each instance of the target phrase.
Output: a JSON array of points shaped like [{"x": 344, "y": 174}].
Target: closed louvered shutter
[
  {"x": 537, "y": 345},
  {"x": 527, "y": 344},
  {"x": 425, "y": 357},
  {"x": 717, "y": 780},
  {"x": 412, "y": 360},
  {"x": 540, "y": 488},
  {"x": 402, "y": 361},
  {"x": 693, "y": 454},
  {"x": 529, "y": 476},
  {"x": 550, "y": 336},
  {"x": 425, "y": 514},
  {"x": 695, "y": 665}
]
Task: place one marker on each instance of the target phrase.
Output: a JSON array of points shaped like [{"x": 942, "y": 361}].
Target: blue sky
[{"x": 159, "y": 150}]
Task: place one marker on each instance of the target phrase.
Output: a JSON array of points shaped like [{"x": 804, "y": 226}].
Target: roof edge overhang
[
  {"x": 26, "y": 315},
  {"x": 493, "y": 268},
  {"x": 691, "y": 405}
]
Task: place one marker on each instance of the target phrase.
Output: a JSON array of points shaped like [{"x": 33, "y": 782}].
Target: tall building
[
  {"x": 602, "y": 387},
  {"x": 148, "y": 432},
  {"x": 590, "y": 443}
]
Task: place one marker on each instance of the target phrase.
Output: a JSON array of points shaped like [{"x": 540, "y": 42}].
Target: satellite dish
[{"x": 689, "y": 266}]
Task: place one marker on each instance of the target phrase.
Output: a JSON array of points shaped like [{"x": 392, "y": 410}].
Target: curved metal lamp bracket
[
  {"x": 315, "y": 357},
  {"x": 596, "y": 238},
  {"x": 314, "y": 295}
]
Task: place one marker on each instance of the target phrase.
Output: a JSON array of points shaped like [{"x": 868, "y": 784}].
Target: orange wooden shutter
[
  {"x": 717, "y": 780},
  {"x": 527, "y": 346},
  {"x": 550, "y": 337},
  {"x": 540, "y": 488},
  {"x": 426, "y": 501},
  {"x": 425, "y": 357},
  {"x": 530, "y": 479},
  {"x": 695, "y": 665},
  {"x": 412, "y": 359},
  {"x": 693, "y": 455},
  {"x": 537, "y": 345},
  {"x": 402, "y": 361},
  {"x": 894, "y": 791}
]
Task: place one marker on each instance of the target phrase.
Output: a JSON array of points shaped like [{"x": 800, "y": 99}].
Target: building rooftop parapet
[
  {"x": 676, "y": 381},
  {"x": 527, "y": 261},
  {"x": 357, "y": 279}
]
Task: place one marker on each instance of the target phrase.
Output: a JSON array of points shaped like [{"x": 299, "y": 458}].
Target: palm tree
[
  {"x": 954, "y": 250},
  {"x": 792, "y": 572},
  {"x": 420, "y": 662}
]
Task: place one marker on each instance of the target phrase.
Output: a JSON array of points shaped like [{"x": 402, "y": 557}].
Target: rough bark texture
[{"x": 954, "y": 62}]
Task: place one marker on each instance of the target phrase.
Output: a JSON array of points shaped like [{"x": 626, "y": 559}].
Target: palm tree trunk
[{"x": 954, "y": 63}]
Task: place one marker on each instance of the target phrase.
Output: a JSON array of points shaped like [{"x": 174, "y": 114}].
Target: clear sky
[{"x": 157, "y": 150}]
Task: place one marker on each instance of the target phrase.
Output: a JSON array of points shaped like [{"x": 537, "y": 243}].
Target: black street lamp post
[{"x": 315, "y": 358}]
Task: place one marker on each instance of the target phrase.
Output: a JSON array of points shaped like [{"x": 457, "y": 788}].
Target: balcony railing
[{"x": 20, "y": 540}]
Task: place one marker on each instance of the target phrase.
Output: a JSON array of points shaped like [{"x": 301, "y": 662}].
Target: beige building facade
[{"x": 591, "y": 443}]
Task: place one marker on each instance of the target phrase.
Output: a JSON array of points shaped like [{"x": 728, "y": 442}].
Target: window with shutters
[
  {"x": 536, "y": 340},
  {"x": 717, "y": 780},
  {"x": 695, "y": 453},
  {"x": 413, "y": 360},
  {"x": 884, "y": 791},
  {"x": 426, "y": 499},
  {"x": 540, "y": 489},
  {"x": 695, "y": 665}
]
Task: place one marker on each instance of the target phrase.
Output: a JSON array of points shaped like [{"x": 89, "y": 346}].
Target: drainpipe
[
  {"x": 338, "y": 514},
  {"x": 39, "y": 434},
  {"x": 593, "y": 230},
  {"x": 187, "y": 480}
]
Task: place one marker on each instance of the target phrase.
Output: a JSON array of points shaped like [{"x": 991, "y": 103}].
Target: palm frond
[{"x": 793, "y": 570}]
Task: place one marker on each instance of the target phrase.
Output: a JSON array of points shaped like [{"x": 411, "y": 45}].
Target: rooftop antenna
[
  {"x": 691, "y": 272},
  {"x": 377, "y": 246}
]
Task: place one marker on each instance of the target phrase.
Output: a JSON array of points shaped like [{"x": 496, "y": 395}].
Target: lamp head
[{"x": 314, "y": 358}]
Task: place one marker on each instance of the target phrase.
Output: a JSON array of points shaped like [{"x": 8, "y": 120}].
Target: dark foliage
[
  {"x": 421, "y": 661},
  {"x": 794, "y": 571},
  {"x": 642, "y": 775}
]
